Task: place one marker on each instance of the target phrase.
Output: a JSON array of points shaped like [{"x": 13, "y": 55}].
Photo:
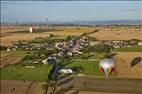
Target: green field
[
  {"x": 40, "y": 72},
  {"x": 20, "y": 72},
  {"x": 15, "y": 53},
  {"x": 129, "y": 49},
  {"x": 87, "y": 67}
]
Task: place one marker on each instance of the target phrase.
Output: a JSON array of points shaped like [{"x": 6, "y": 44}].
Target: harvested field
[
  {"x": 81, "y": 85},
  {"x": 7, "y": 38},
  {"x": 89, "y": 92},
  {"x": 103, "y": 34},
  {"x": 5, "y": 29},
  {"x": 20, "y": 87},
  {"x": 123, "y": 65},
  {"x": 118, "y": 34}
]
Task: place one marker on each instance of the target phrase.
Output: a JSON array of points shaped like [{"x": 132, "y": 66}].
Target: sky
[{"x": 64, "y": 11}]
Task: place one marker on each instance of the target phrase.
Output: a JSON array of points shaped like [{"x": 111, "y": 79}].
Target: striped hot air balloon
[{"x": 107, "y": 66}]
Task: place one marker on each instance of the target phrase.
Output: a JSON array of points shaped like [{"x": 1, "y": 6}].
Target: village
[
  {"x": 50, "y": 50},
  {"x": 91, "y": 47},
  {"x": 76, "y": 55}
]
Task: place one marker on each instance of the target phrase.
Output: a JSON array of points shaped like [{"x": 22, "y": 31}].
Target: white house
[
  {"x": 44, "y": 61},
  {"x": 31, "y": 29},
  {"x": 8, "y": 49},
  {"x": 139, "y": 43},
  {"x": 66, "y": 71}
]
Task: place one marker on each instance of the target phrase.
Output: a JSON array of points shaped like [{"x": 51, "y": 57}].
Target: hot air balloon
[
  {"x": 107, "y": 66},
  {"x": 31, "y": 29}
]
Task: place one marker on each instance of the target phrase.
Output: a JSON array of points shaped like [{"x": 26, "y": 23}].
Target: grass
[
  {"x": 45, "y": 40},
  {"x": 20, "y": 72},
  {"x": 15, "y": 53},
  {"x": 88, "y": 67},
  {"x": 129, "y": 49}
]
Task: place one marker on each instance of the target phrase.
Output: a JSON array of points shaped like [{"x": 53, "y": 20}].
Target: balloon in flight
[{"x": 107, "y": 66}]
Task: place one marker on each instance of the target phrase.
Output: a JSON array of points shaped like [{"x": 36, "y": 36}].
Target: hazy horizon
[{"x": 66, "y": 11}]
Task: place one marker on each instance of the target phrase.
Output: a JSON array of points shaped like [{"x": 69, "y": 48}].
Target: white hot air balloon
[
  {"x": 107, "y": 66},
  {"x": 31, "y": 29}
]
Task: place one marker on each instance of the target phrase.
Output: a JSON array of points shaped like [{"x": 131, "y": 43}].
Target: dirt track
[{"x": 20, "y": 87}]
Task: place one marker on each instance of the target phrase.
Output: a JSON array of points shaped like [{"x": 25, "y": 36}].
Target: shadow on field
[
  {"x": 65, "y": 81},
  {"x": 64, "y": 76},
  {"x": 111, "y": 55},
  {"x": 135, "y": 61},
  {"x": 67, "y": 63},
  {"x": 89, "y": 56},
  {"x": 65, "y": 89},
  {"x": 77, "y": 69},
  {"x": 75, "y": 92}
]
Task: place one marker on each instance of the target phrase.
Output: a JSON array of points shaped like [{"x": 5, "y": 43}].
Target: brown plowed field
[
  {"x": 94, "y": 85},
  {"x": 20, "y": 87}
]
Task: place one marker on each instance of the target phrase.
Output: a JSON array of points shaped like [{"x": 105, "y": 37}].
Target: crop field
[
  {"x": 21, "y": 72},
  {"x": 93, "y": 92},
  {"x": 86, "y": 67},
  {"x": 123, "y": 65},
  {"x": 118, "y": 34},
  {"x": 11, "y": 57},
  {"x": 109, "y": 86},
  {"x": 7, "y": 38},
  {"x": 127, "y": 79},
  {"x": 19, "y": 77},
  {"x": 21, "y": 87},
  {"x": 94, "y": 85},
  {"x": 129, "y": 49}
]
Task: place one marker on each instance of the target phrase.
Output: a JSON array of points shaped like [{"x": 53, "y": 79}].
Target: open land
[
  {"x": 7, "y": 38},
  {"x": 21, "y": 87},
  {"x": 92, "y": 85},
  {"x": 129, "y": 49},
  {"x": 118, "y": 34},
  {"x": 21, "y": 72},
  {"x": 63, "y": 32},
  {"x": 126, "y": 79},
  {"x": 123, "y": 62},
  {"x": 8, "y": 58}
]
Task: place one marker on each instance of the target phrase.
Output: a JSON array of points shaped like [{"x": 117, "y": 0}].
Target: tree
[
  {"x": 102, "y": 49},
  {"x": 69, "y": 38},
  {"x": 51, "y": 35},
  {"x": 49, "y": 52},
  {"x": 3, "y": 48}
]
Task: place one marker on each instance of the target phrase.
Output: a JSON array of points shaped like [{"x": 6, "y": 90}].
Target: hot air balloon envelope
[{"x": 107, "y": 66}]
